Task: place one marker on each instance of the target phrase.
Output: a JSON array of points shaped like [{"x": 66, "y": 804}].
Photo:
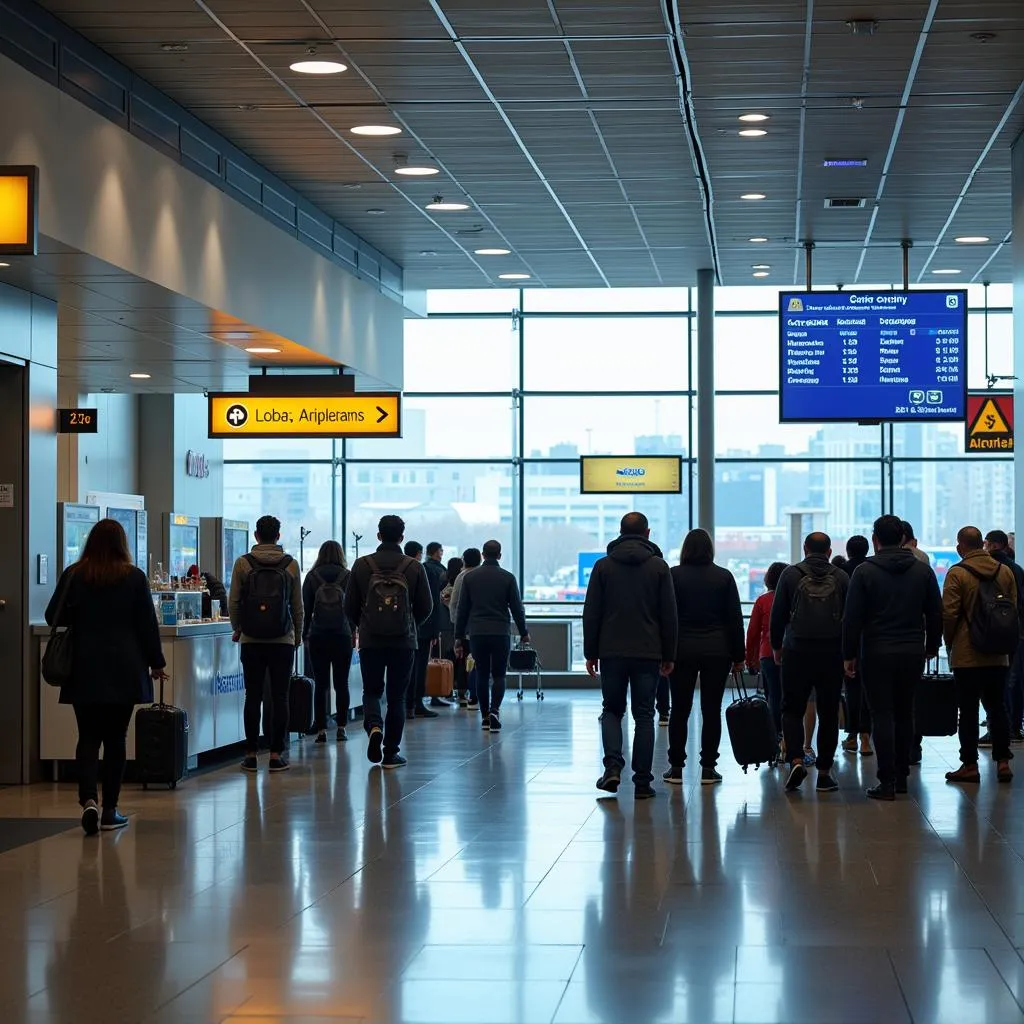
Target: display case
[
  {"x": 73, "y": 523},
  {"x": 180, "y": 543},
  {"x": 222, "y": 542},
  {"x": 178, "y": 607}
]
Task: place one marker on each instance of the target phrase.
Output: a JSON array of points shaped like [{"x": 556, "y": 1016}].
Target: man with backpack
[
  {"x": 893, "y": 621},
  {"x": 981, "y": 628},
  {"x": 806, "y": 636},
  {"x": 265, "y": 606},
  {"x": 429, "y": 631},
  {"x": 388, "y": 597}
]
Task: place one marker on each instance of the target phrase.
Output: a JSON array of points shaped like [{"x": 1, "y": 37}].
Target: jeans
[
  {"x": 491, "y": 656},
  {"x": 713, "y": 672},
  {"x": 773, "y": 689},
  {"x": 889, "y": 682},
  {"x": 857, "y": 707},
  {"x": 661, "y": 698},
  {"x": 803, "y": 671},
  {"x": 327, "y": 652},
  {"x": 619, "y": 676},
  {"x": 257, "y": 661},
  {"x": 103, "y": 725},
  {"x": 418, "y": 683},
  {"x": 988, "y": 686},
  {"x": 386, "y": 670}
]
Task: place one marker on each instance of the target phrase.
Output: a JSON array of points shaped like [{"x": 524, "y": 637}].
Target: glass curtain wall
[{"x": 507, "y": 389}]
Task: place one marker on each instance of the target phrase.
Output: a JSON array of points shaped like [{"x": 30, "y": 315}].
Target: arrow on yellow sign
[{"x": 354, "y": 415}]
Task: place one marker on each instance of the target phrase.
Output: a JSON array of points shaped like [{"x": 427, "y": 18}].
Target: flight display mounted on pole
[{"x": 364, "y": 414}]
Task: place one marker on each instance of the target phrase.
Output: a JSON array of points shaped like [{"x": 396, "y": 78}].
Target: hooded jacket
[
  {"x": 959, "y": 594},
  {"x": 710, "y": 616},
  {"x": 785, "y": 596},
  {"x": 893, "y": 607},
  {"x": 630, "y": 608},
  {"x": 267, "y": 554}
]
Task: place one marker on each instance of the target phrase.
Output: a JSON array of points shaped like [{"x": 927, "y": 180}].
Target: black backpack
[
  {"x": 994, "y": 624},
  {"x": 387, "y": 611},
  {"x": 266, "y": 599},
  {"x": 817, "y": 607},
  {"x": 329, "y": 604}
]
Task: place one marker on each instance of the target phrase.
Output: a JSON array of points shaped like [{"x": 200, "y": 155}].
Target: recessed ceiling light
[
  {"x": 752, "y": 133},
  {"x": 946, "y": 270},
  {"x": 139, "y": 376},
  {"x": 757, "y": 238},
  {"x": 4, "y": 264},
  {"x": 375, "y": 211},
  {"x": 262, "y": 350},
  {"x": 438, "y": 203},
  {"x": 492, "y": 252},
  {"x": 973, "y": 239},
  {"x": 375, "y": 129},
  {"x": 761, "y": 273},
  {"x": 514, "y": 277},
  {"x": 754, "y": 118},
  {"x": 753, "y": 195},
  {"x": 427, "y": 252},
  {"x": 761, "y": 266},
  {"x": 423, "y": 171},
  {"x": 318, "y": 67}
]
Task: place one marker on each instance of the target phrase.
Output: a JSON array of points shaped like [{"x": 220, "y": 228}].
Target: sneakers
[
  {"x": 826, "y": 783},
  {"x": 985, "y": 741},
  {"x": 965, "y": 773},
  {"x": 663, "y": 721},
  {"x": 1004, "y": 772},
  {"x": 810, "y": 757},
  {"x": 797, "y": 774},
  {"x": 609, "y": 782},
  {"x": 321, "y": 737},
  {"x": 487, "y": 725},
  {"x": 709, "y": 777},
  {"x": 883, "y": 791},
  {"x": 850, "y": 745},
  {"x": 674, "y": 776},
  {"x": 250, "y": 763},
  {"x": 394, "y": 761},
  {"x": 342, "y": 735},
  {"x": 375, "y": 746},
  {"x": 463, "y": 701},
  {"x": 111, "y": 821},
  {"x": 436, "y": 702},
  {"x": 90, "y": 818},
  {"x": 420, "y": 711},
  {"x": 473, "y": 704},
  {"x": 644, "y": 792},
  {"x": 495, "y": 722},
  {"x": 278, "y": 764}
]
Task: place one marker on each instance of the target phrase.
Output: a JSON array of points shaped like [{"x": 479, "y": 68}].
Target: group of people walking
[{"x": 868, "y": 624}]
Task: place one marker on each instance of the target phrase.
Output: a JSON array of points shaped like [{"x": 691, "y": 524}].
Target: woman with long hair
[
  {"x": 760, "y": 657},
  {"x": 711, "y": 644},
  {"x": 328, "y": 635},
  {"x": 116, "y": 657}
]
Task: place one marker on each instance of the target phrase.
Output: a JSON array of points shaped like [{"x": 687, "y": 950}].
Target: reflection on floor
[{"x": 485, "y": 883}]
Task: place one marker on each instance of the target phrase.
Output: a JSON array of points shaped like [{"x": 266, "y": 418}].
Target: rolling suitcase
[
  {"x": 161, "y": 743},
  {"x": 300, "y": 701},
  {"x": 936, "y": 712},
  {"x": 440, "y": 676},
  {"x": 751, "y": 730}
]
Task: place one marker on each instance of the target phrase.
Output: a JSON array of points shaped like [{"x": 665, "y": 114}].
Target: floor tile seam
[
  {"x": 565, "y": 989},
  {"x": 1006, "y": 984},
  {"x": 899, "y": 984},
  {"x": 213, "y": 970}
]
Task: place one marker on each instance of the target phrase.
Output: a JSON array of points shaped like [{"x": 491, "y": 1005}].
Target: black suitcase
[
  {"x": 161, "y": 743},
  {"x": 300, "y": 702},
  {"x": 936, "y": 711},
  {"x": 751, "y": 730}
]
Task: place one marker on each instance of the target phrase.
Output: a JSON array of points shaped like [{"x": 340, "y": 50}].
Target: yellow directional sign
[
  {"x": 19, "y": 232},
  {"x": 364, "y": 414}
]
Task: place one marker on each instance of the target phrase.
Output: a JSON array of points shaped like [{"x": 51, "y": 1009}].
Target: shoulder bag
[{"x": 59, "y": 656}]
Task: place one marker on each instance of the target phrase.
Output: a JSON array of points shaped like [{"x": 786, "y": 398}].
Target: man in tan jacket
[{"x": 980, "y": 674}]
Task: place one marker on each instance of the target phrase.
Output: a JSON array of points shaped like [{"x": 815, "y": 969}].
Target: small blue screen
[{"x": 861, "y": 356}]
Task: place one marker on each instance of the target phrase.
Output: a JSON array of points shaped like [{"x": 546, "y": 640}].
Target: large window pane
[
  {"x": 472, "y": 300},
  {"x": 461, "y": 355},
  {"x": 747, "y": 353},
  {"x": 296, "y": 450},
  {"x": 1000, "y": 348},
  {"x": 458, "y": 504},
  {"x": 446, "y": 428},
  {"x": 596, "y": 354},
  {"x": 605, "y": 300},
  {"x": 622, "y": 425}
]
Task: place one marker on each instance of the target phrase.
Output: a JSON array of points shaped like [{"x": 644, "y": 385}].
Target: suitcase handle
[{"x": 738, "y": 685}]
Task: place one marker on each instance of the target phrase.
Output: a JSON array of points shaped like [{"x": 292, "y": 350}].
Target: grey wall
[
  {"x": 1018, "y": 320},
  {"x": 106, "y": 461}
]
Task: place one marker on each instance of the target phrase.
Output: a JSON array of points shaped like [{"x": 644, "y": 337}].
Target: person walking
[
  {"x": 997, "y": 544},
  {"x": 454, "y": 567},
  {"x": 630, "y": 629},
  {"x": 388, "y": 597},
  {"x": 116, "y": 656},
  {"x": 806, "y": 636},
  {"x": 471, "y": 559},
  {"x": 979, "y": 608},
  {"x": 710, "y": 644},
  {"x": 892, "y": 622},
  {"x": 858, "y": 713},
  {"x": 489, "y": 596},
  {"x": 428, "y": 634},
  {"x": 265, "y": 606},
  {"x": 910, "y": 542},
  {"x": 759, "y": 647},
  {"x": 328, "y": 636}
]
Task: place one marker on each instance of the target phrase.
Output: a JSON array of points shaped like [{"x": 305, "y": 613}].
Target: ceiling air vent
[{"x": 845, "y": 203}]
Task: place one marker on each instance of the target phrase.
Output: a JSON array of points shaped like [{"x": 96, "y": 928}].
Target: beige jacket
[{"x": 959, "y": 593}]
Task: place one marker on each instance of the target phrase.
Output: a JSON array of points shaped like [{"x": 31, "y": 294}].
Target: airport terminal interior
[{"x": 510, "y": 272}]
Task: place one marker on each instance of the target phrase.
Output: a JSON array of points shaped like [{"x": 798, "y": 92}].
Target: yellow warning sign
[{"x": 990, "y": 422}]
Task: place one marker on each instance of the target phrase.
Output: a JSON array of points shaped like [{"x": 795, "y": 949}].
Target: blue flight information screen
[{"x": 867, "y": 356}]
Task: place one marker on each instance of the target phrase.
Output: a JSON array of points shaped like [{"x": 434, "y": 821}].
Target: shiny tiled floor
[{"x": 486, "y": 883}]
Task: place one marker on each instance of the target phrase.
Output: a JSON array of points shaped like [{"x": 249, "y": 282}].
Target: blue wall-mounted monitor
[{"x": 872, "y": 356}]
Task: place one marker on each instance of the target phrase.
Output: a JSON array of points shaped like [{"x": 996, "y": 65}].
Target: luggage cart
[{"x": 523, "y": 660}]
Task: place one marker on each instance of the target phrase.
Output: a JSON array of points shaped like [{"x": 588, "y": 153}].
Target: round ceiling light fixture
[
  {"x": 973, "y": 239},
  {"x": 754, "y": 118},
  {"x": 761, "y": 273},
  {"x": 140, "y": 376},
  {"x": 514, "y": 277},
  {"x": 761, "y": 266},
  {"x": 418, "y": 171},
  {"x": 753, "y": 195},
  {"x": 758, "y": 239},
  {"x": 946, "y": 270},
  {"x": 262, "y": 350},
  {"x": 4, "y": 264},
  {"x": 492, "y": 252},
  {"x": 752, "y": 133},
  {"x": 311, "y": 66},
  {"x": 439, "y": 203},
  {"x": 376, "y": 129}
]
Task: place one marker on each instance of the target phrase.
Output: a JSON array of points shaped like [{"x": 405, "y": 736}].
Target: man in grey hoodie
[{"x": 265, "y": 605}]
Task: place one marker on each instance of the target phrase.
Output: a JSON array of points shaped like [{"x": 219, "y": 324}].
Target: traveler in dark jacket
[
  {"x": 328, "y": 636},
  {"x": 428, "y": 636},
  {"x": 759, "y": 645},
  {"x": 452, "y": 571},
  {"x": 858, "y": 713},
  {"x": 806, "y": 636},
  {"x": 979, "y": 674},
  {"x": 386, "y": 653},
  {"x": 116, "y": 656},
  {"x": 710, "y": 645},
  {"x": 893, "y": 620},
  {"x": 997, "y": 544},
  {"x": 629, "y": 635},
  {"x": 489, "y": 596}
]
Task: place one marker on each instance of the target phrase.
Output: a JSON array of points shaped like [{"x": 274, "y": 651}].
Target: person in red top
[{"x": 759, "y": 649}]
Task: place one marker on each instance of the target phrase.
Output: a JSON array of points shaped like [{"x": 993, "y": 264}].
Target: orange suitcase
[{"x": 440, "y": 678}]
